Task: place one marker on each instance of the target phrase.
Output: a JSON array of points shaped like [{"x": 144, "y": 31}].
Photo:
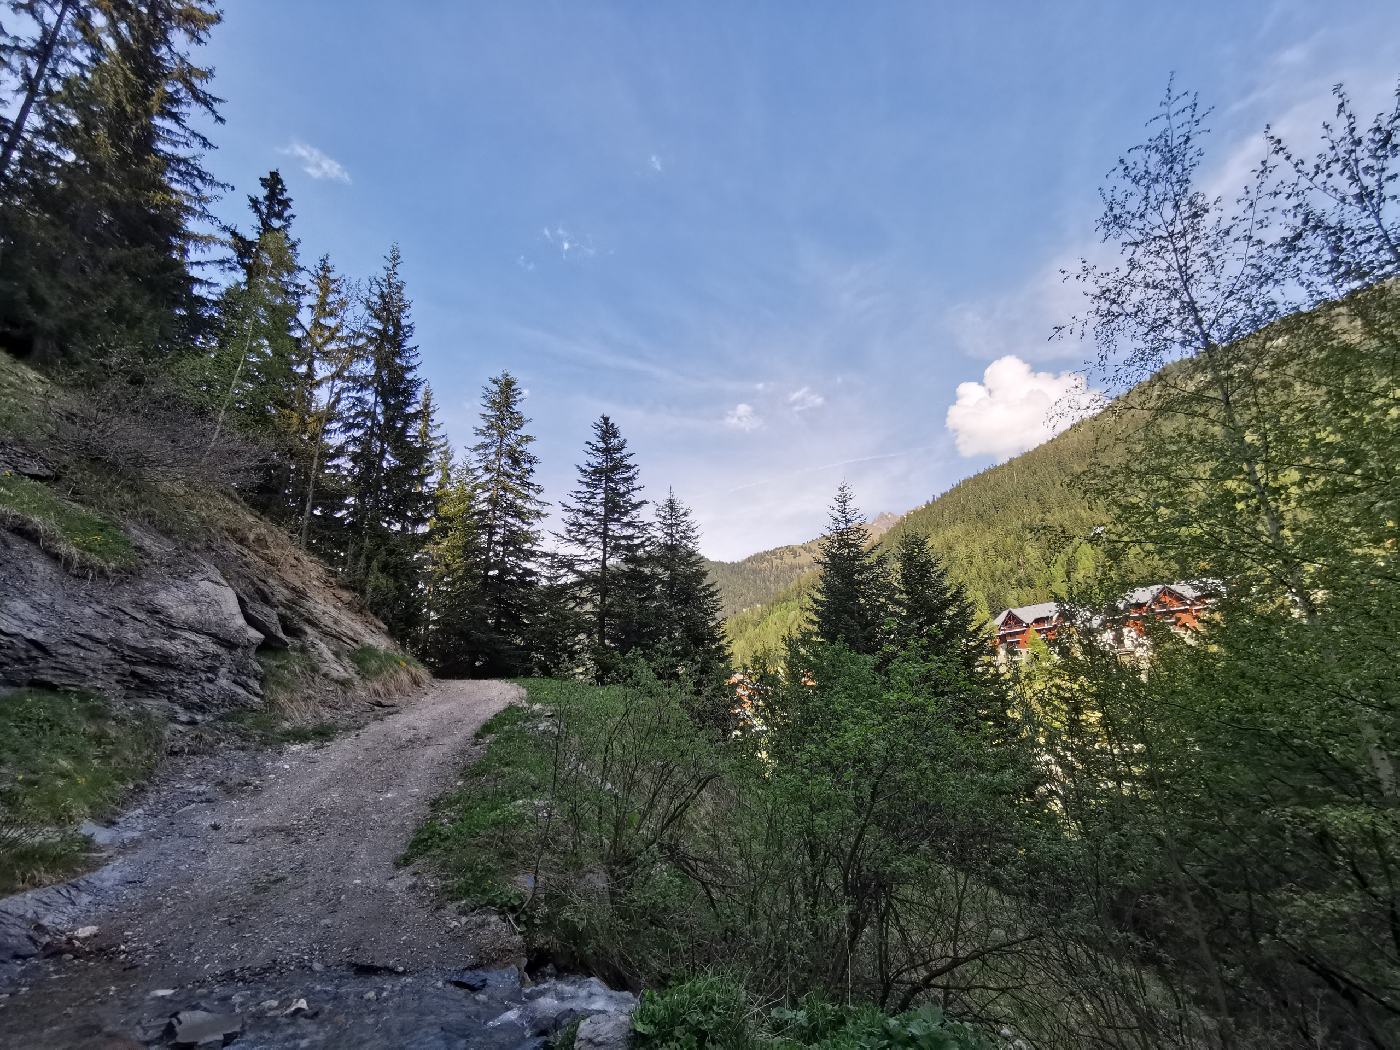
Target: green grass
[
  {"x": 289, "y": 713},
  {"x": 373, "y": 662},
  {"x": 76, "y": 535},
  {"x": 479, "y": 835},
  {"x": 64, "y": 757}
]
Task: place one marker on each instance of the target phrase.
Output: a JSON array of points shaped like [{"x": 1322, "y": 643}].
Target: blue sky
[{"x": 771, "y": 240}]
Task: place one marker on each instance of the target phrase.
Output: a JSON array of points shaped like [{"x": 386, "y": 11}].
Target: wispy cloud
[
  {"x": 805, "y": 398},
  {"x": 569, "y": 245},
  {"x": 316, "y": 163},
  {"x": 655, "y": 162},
  {"x": 743, "y": 417},
  {"x": 1014, "y": 408}
]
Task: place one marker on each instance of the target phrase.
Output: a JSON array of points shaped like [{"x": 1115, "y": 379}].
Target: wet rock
[
  {"x": 202, "y": 1028},
  {"x": 471, "y": 980},
  {"x": 610, "y": 1031}
]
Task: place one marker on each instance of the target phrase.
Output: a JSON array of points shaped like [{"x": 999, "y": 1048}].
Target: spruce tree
[
  {"x": 102, "y": 210},
  {"x": 607, "y": 538},
  {"x": 685, "y": 635},
  {"x": 449, "y": 637},
  {"x": 930, "y": 610},
  {"x": 852, "y": 594},
  {"x": 388, "y": 463},
  {"x": 509, "y": 512},
  {"x": 333, "y": 349}
]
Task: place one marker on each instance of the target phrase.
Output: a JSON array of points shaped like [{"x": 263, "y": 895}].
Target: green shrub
[
  {"x": 706, "y": 1011},
  {"x": 63, "y": 528},
  {"x": 713, "y": 1011},
  {"x": 64, "y": 757}
]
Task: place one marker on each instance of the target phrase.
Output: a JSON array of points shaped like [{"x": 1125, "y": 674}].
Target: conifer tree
[
  {"x": 388, "y": 462},
  {"x": 558, "y": 626},
  {"x": 451, "y": 625},
  {"x": 930, "y": 610},
  {"x": 852, "y": 594},
  {"x": 509, "y": 512},
  {"x": 684, "y": 628},
  {"x": 333, "y": 348},
  {"x": 102, "y": 207},
  {"x": 604, "y": 529}
]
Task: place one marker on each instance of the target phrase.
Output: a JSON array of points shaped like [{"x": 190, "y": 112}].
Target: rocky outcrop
[{"x": 185, "y": 627}]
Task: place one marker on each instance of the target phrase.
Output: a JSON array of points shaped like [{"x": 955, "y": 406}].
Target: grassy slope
[{"x": 1008, "y": 535}]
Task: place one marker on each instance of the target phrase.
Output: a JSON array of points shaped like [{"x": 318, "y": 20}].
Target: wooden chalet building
[{"x": 1177, "y": 605}]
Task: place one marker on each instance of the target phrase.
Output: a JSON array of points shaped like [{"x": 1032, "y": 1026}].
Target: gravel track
[{"x": 281, "y": 870}]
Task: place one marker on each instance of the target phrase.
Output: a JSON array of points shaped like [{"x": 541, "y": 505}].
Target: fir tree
[
  {"x": 930, "y": 610},
  {"x": 607, "y": 536},
  {"x": 852, "y": 594},
  {"x": 333, "y": 349},
  {"x": 685, "y": 632},
  {"x": 387, "y": 461},
  {"x": 509, "y": 511},
  {"x": 101, "y": 216},
  {"x": 450, "y": 629}
]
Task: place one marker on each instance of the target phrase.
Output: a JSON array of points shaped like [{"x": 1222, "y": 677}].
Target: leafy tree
[
  {"x": 607, "y": 539},
  {"x": 510, "y": 510},
  {"x": 852, "y": 595}
]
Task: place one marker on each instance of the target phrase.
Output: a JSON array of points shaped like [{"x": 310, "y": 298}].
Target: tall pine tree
[
  {"x": 685, "y": 635},
  {"x": 853, "y": 591},
  {"x": 452, "y": 584},
  {"x": 509, "y": 511},
  {"x": 607, "y": 538},
  {"x": 388, "y": 463},
  {"x": 333, "y": 349},
  {"x": 105, "y": 191},
  {"x": 930, "y": 610}
]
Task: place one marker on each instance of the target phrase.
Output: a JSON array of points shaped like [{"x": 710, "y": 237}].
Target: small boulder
[
  {"x": 202, "y": 1028},
  {"x": 609, "y": 1031}
]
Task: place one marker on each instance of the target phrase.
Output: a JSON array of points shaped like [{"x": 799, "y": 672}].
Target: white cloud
[
  {"x": 743, "y": 417},
  {"x": 803, "y": 399},
  {"x": 1014, "y": 408},
  {"x": 655, "y": 162},
  {"x": 317, "y": 164}
]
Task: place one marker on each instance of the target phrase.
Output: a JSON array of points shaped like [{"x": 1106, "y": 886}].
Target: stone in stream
[
  {"x": 610, "y": 1031},
  {"x": 202, "y": 1028}
]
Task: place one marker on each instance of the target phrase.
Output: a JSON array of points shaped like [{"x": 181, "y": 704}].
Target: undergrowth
[{"x": 64, "y": 758}]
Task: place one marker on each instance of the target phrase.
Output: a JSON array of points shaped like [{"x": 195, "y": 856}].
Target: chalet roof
[
  {"x": 1029, "y": 613},
  {"x": 1144, "y": 595}
]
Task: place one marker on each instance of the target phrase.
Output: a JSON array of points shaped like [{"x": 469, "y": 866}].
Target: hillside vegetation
[{"x": 1009, "y": 536}]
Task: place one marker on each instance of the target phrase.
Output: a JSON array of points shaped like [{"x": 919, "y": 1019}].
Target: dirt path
[{"x": 278, "y": 886}]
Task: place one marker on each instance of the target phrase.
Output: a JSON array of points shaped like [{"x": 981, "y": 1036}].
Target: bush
[{"x": 713, "y": 1011}]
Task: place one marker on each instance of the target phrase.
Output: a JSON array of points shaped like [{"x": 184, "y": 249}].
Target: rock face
[{"x": 184, "y": 628}]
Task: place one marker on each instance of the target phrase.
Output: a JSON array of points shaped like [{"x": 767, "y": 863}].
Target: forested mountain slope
[
  {"x": 1008, "y": 535},
  {"x": 756, "y": 579}
]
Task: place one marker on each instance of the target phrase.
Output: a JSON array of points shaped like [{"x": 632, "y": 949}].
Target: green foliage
[
  {"x": 711, "y": 1011},
  {"x": 705, "y": 1011},
  {"x": 78, "y": 536},
  {"x": 64, "y": 757},
  {"x": 607, "y": 540},
  {"x": 851, "y": 599}
]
